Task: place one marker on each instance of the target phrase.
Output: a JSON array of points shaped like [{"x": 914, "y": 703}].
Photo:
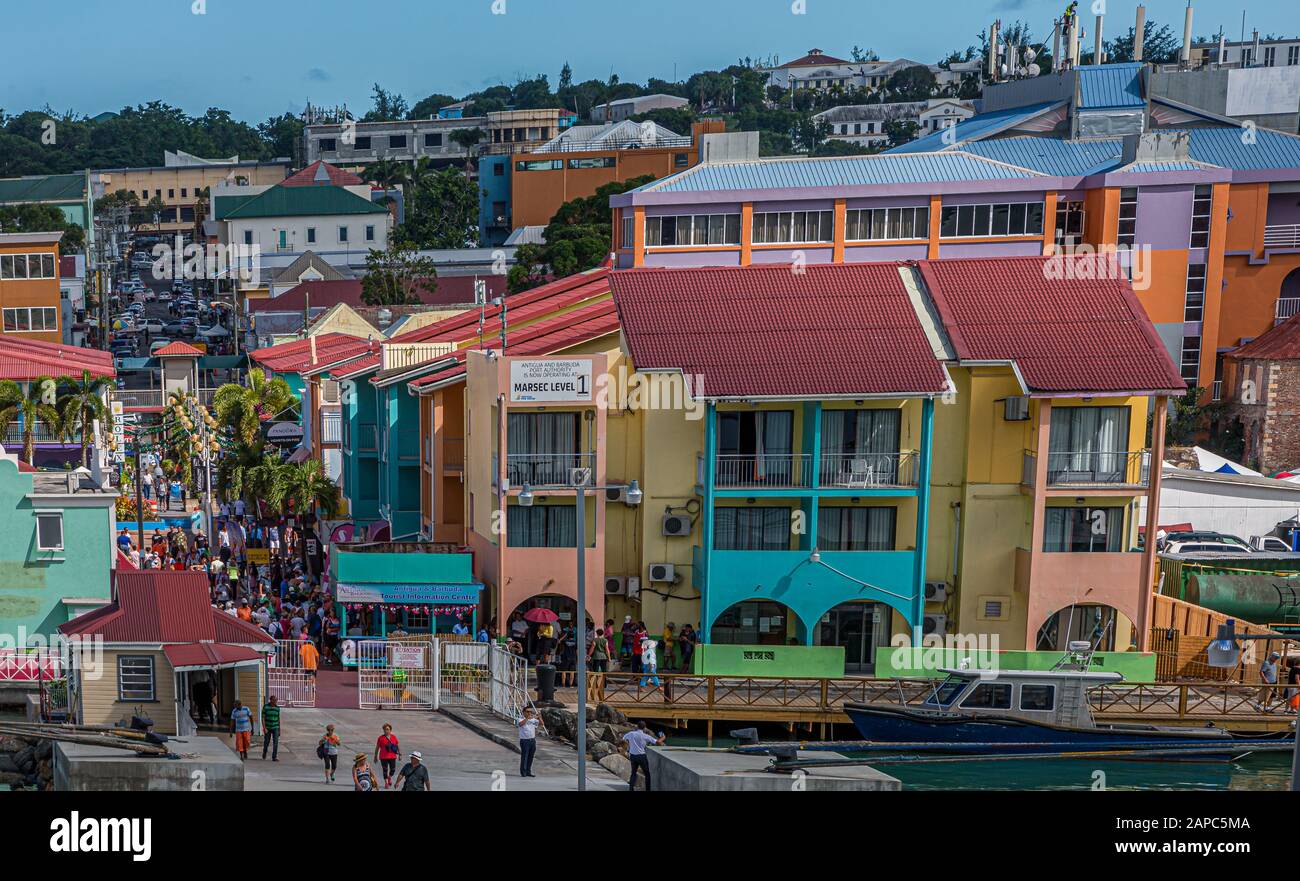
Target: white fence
[
  {"x": 287, "y": 676},
  {"x": 483, "y": 674},
  {"x": 397, "y": 674}
]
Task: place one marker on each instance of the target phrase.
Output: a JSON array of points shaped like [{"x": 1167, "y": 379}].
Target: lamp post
[{"x": 579, "y": 480}]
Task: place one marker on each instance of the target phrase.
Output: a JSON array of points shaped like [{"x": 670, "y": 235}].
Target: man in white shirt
[
  {"x": 637, "y": 740},
  {"x": 527, "y": 741}
]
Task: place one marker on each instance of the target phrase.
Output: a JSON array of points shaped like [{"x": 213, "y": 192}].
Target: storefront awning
[
  {"x": 210, "y": 656},
  {"x": 464, "y": 594}
]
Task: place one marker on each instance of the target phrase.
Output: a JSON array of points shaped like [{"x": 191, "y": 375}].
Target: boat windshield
[{"x": 947, "y": 691}]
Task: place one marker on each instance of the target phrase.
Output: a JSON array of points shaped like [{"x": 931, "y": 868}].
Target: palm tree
[
  {"x": 35, "y": 404},
  {"x": 243, "y": 408},
  {"x": 264, "y": 481},
  {"x": 81, "y": 404},
  {"x": 467, "y": 138},
  {"x": 305, "y": 487}
]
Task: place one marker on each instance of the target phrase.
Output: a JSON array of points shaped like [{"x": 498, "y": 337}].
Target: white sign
[{"x": 550, "y": 380}]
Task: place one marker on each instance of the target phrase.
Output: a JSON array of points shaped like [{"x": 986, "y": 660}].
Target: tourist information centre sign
[
  {"x": 552, "y": 379},
  {"x": 409, "y": 594}
]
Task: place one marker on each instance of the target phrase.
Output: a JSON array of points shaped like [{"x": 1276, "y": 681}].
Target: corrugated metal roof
[
  {"x": 1110, "y": 85},
  {"x": 1149, "y": 167},
  {"x": 282, "y": 201},
  {"x": 1245, "y": 148},
  {"x": 43, "y": 188},
  {"x": 1051, "y": 155},
  {"x": 981, "y": 125},
  {"x": 1280, "y": 343},
  {"x": 775, "y": 174}
]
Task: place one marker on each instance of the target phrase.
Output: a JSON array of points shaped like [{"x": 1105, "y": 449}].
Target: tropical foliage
[
  {"x": 80, "y": 403},
  {"x": 37, "y": 403}
]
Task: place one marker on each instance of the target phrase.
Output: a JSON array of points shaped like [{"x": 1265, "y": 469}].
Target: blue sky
[{"x": 257, "y": 58}]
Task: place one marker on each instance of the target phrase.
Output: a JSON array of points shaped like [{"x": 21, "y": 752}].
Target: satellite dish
[
  {"x": 1030, "y": 55},
  {"x": 1033, "y": 70}
]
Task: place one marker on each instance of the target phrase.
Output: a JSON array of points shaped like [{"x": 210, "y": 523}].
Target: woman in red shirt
[{"x": 387, "y": 752}]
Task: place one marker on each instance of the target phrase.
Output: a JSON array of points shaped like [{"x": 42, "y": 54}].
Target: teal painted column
[
  {"x": 922, "y": 516},
  {"x": 812, "y": 432},
  {"x": 706, "y": 529}
]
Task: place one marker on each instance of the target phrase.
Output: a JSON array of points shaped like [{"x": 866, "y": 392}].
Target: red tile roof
[
  {"x": 1073, "y": 335},
  {"x": 813, "y": 58},
  {"x": 296, "y": 356},
  {"x": 766, "y": 331},
  {"x": 322, "y": 294},
  {"x": 357, "y": 366},
  {"x": 307, "y": 177},
  {"x": 1280, "y": 343},
  {"x": 177, "y": 350},
  {"x": 163, "y": 606},
  {"x": 24, "y": 360}
]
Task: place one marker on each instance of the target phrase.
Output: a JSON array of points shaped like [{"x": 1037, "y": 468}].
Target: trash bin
[{"x": 545, "y": 683}]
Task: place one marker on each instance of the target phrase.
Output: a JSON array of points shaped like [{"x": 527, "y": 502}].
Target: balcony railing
[
  {"x": 408, "y": 445},
  {"x": 1286, "y": 235},
  {"x": 763, "y": 470},
  {"x": 1217, "y": 393},
  {"x": 1115, "y": 468},
  {"x": 156, "y": 397},
  {"x": 545, "y": 469},
  {"x": 367, "y": 440},
  {"x": 41, "y": 434},
  {"x": 331, "y": 428},
  {"x": 1286, "y": 307},
  {"x": 865, "y": 470},
  {"x": 453, "y": 453}
]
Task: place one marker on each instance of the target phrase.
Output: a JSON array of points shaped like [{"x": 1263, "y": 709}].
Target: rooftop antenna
[
  {"x": 1140, "y": 32},
  {"x": 1185, "y": 54}
]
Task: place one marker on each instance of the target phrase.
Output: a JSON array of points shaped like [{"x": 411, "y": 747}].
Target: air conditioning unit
[
  {"x": 934, "y": 625},
  {"x": 634, "y": 587},
  {"x": 615, "y": 493},
  {"x": 1016, "y": 408},
  {"x": 615, "y": 585},
  {"x": 936, "y": 591},
  {"x": 676, "y": 524},
  {"x": 662, "y": 572}
]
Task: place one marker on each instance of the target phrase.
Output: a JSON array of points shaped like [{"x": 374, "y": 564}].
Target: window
[
  {"x": 856, "y": 529},
  {"x": 187, "y": 213},
  {"x": 433, "y": 139},
  {"x": 343, "y": 233},
  {"x": 27, "y": 266},
  {"x": 135, "y": 681},
  {"x": 498, "y": 169},
  {"x": 692, "y": 229},
  {"x": 869, "y": 224},
  {"x": 989, "y": 696},
  {"x": 593, "y": 162},
  {"x": 751, "y": 529},
  {"x": 49, "y": 531},
  {"x": 1270, "y": 56},
  {"x": 1128, "y": 212},
  {"x": 1191, "y": 360},
  {"x": 541, "y": 526},
  {"x": 1083, "y": 530},
  {"x": 248, "y": 237},
  {"x": 370, "y": 232},
  {"x": 793, "y": 227},
  {"x": 328, "y": 145},
  {"x": 33, "y": 318},
  {"x": 628, "y": 227},
  {"x": 539, "y": 165},
  {"x": 1039, "y": 698},
  {"x": 311, "y": 235},
  {"x": 397, "y": 142},
  {"x": 362, "y": 142},
  {"x": 1292, "y": 56},
  {"x": 1201, "y": 204},
  {"x": 171, "y": 194},
  {"x": 1069, "y": 222},
  {"x": 1194, "y": 306},
  {"x": 986, "y": 221},
  {"x": 1088, "y": 445},
  {"x": 681, "y": 160}
]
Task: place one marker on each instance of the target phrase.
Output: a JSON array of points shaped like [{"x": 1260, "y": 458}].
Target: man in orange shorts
[{"x": 241, "y": 725}]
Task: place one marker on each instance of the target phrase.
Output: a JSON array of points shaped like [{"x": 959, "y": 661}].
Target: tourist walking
[
  {"x": 637, "y": 740},
  {"x": 327, "y": 750},
  {"x": 414, "y": 775},
  {"x": 387, "y": 752},
  {"x": 598, "y": 664},
  {"x": 363, "y": 778},
  {"x": 1268, "y": 676},
  {"x": 271, "y": 728},
  {"x": 527, "y": 741},
  {"x": 241, "y": 725}
]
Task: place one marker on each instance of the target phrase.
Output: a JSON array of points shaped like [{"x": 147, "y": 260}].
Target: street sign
[{"x": 579, "y": 476}]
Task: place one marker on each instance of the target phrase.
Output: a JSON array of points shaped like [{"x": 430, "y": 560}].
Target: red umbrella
[{"x": 541, "y": 616}]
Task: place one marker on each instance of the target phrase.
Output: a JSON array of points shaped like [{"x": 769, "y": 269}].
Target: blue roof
[
  {"x": 1110, "y": 85},
  {"x": 979, "y": 126},
  {"x": 1245, "y": 149},
  {"x": 1156, "y": 166},
  {"x": 847, "y": 171},
  {"x": 1051, "y": 155}
]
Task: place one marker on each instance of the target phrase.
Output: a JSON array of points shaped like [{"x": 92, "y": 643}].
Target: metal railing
[
  {"x": 1216, "y": 393},
  {"x": 156, "y": 397},
  {"x": 41, "y": 434},
  {"x": 1285, "y": 235},
  {"x": 853, "y": 470},
  {"x": 367, "y": 437},
  {"x": 408, "y": 445},
  {"x": 739, "y": 470},
  {"x": 331, "y": 428},
  {"x": 453, "y": 453},
  {"x": 1286, "y": 307},
  {"x": 30, "y": 666},
  {"x": 632, "y": 143},
  {"x": 484, "y": 674},
  {"x": 545, "y": 469},
  {"x": 1113, "y": 468}
]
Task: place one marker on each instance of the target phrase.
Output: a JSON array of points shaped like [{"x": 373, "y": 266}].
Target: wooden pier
[{"x": 805, "y": 703}]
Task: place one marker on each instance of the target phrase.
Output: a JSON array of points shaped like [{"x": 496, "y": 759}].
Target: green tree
[
  {"x": 901, "y": 131},
  {"x": 442, "y": 211},
  {"x": 1160, "y": 45},
  {"x": 386, "y": 106},
  {"x": 915, "y": 83},
  {"x": 467, "y": 139},
  {"x": 282, "y": 135},
  {"x": 397, "y": 276},
  {"x": 304, "y": 489},
  {"x": 43, "y": 218},
  {"x": 80, "y": 403},
  {"x": 428, "y": 107},
  {"x": 243, "y": 408},
  {"x": 34, "y": 404}
]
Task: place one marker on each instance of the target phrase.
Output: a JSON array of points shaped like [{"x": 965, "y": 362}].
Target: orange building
[{"x": 29, "y": 285}]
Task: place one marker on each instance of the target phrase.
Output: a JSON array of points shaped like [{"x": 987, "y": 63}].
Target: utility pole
[{"x": 139, "y": 501}]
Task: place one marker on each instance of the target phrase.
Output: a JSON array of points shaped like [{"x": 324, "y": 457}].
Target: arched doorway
[
  {"x": 758, "y": 622},
  {"x": 565, "y": 608},
  {"x": 860, "y": 627},
  {"x": 1104, "y": 627}
]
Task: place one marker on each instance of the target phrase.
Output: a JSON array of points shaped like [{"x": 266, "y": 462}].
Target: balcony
[
  {"x": 408, "y": 445},
  {"x": 1118, "y": 469},
  {"x": 367, "y": 437},
  {"x": 545, "y": 469},
  {"x": 1286, "y": 235},
  {"x": 41, "y": 434},
  {"x": 156, "y": 397},
  {"x": 331, "y": 428},
  {"x": 1286, "y": 307},
  {"x": 767, "y": 470},
  {"x": 867, "y": 470},
  {"x": 453, "y": 454},
  {"x": 795, "y": 470}
]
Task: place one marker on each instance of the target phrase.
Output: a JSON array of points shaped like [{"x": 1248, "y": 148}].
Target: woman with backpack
[
  {"x": 327, "y": 750},
  {"x": 598, "y": 662},
  {"x": 387, "y": 752}
]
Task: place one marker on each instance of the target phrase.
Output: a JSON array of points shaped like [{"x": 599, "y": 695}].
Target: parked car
[
  {"x": 151, "y": 325},
  {"x": 1204, "y": 547},
  {"x": 158, "y": 344},
  {"x": 1270, "y": 544},
  {"x": 1188, "y": 536}
]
